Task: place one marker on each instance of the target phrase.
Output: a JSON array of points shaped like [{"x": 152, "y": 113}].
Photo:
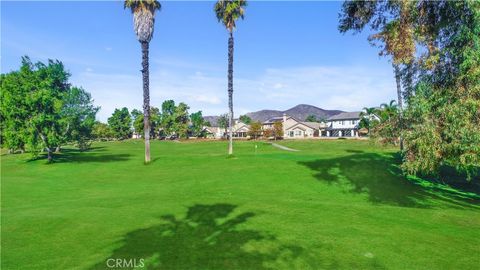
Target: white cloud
[{"x": 344, "y": 88}]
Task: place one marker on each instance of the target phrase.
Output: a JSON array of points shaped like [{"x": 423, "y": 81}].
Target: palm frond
[
  {"x": 229, "y": 11},
  {"x": 142, "y": 4}
]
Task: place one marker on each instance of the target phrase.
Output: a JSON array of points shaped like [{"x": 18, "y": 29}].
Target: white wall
[{"x": 344, "y": 123}]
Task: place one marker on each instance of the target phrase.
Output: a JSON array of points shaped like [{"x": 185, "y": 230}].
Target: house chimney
[
  {"x": 283, "y": 125},
  {"x": 284, "y": 118}
]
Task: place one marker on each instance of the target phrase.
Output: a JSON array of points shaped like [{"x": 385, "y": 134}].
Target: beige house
[
  {"x": 214, "y": 132},
  {"x": 240, "y": 130},
  {"x": 302, "y": 130},
  {"x": 294, "y": 128}
]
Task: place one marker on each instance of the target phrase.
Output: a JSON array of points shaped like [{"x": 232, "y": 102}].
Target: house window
[
  {"x": 298, "y": 133},
  {"x": 290, "y": 133},
  {"x": 353, "y": 122},
  {"x": 342, "y": 122}
]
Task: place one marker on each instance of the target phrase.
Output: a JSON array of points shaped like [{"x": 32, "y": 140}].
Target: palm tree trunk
[
  {"x": 146, "y": 100},
  {"x": 399, "y": 86},
  {"x": 230, "y": 93},
  {"x": 399, "y": 99}
]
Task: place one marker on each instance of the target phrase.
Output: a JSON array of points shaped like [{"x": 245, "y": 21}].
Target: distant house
[
  {"x": 344, "y": 124},
  {"x": 240, "y": 130},
  {"x": 304, "y": 130},
  {"x": 214, "y": 132},
  {"x": 294, "y": 128}
]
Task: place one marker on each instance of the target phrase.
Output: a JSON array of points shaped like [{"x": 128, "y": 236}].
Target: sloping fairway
[{"x": 332, "y": 205}]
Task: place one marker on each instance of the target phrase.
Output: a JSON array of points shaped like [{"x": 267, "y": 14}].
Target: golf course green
[{"x": 336, "y": 204}]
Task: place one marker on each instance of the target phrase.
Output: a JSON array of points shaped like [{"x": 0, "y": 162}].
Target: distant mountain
[
  {"x": 300, "y": 112},
  {"x": 264, "y": 115},
  {"x": 212, "y": 120}
]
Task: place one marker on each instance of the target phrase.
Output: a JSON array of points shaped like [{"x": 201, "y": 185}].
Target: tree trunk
[
  {"x": 49, "y": 150},
  {"x": 399, "y": 86},
  {"x": 399, "y": 99},
  {"x": 57, "y": 149},
  {"x": 230, "y": 93},
  {"x": 49, "y": 154},
  {"x": 146, "y": 100}
]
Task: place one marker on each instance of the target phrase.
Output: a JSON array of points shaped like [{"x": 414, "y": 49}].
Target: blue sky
[{"x": 286, "y": 53}]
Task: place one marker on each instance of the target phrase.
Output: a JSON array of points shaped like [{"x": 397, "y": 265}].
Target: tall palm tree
[
  {"x": 227, "y": 12},
  {"x": 143, "y": 23}
]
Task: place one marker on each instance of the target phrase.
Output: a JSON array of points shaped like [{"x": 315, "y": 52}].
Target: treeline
[
  {"x": 171, "y": 121},
  {"x": 41, "y": 111}
]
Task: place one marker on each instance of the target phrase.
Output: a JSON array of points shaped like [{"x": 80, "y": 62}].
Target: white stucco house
[{"x": 343, "y": 125}]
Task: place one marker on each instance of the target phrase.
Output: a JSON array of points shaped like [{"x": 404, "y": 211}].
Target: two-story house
[{"x": 343, "y": 125}]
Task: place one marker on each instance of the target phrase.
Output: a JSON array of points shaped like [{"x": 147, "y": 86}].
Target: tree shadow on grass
[
  {"x": 380, "y": 178},
  {"x": 69, "y": 155},
  {"x": 208, "y": 237}
]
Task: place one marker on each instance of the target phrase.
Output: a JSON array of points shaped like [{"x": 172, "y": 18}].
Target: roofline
[
  {"x": 347, "y": 118},
  {"x": 300, "y": 123}
]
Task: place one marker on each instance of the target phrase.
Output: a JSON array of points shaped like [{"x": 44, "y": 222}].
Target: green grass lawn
[{"x": 333, "y": 204}]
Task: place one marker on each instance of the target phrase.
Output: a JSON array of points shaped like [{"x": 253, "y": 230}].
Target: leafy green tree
[
  {"x": 245, "y": 119},
  {"x": 38, "y": 97},
  {"x": 277, "y": 130},
  {"x": 137, "y": 117},
  {"x": 138, "y": 122},
  {"x": 387, "y": 129},
  {"x": 197, "y": 124},
  {"x": 442, "y": 119},
  {"x": 13, "y": 111},
  {"x": 311, "y": 118},
  {"x": 223, "y": 122},
  {"x": 393, "y": 21},
  {"x": 143, "y": 24},
  {"x": 167, "y": 120},
  {"x": 78, "y": 117},
  {"x": 441, "y": 124},
  {"x": 102, "y": 131},
  {"x": 255, "y": 129},
  {"x": 40, "y": 110},
  {"x": 155, "y": 119},
  {"x": 228, "y": 12},
  {"x": 121, "y": 124},
  {"x": 181, "y": 117}
]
